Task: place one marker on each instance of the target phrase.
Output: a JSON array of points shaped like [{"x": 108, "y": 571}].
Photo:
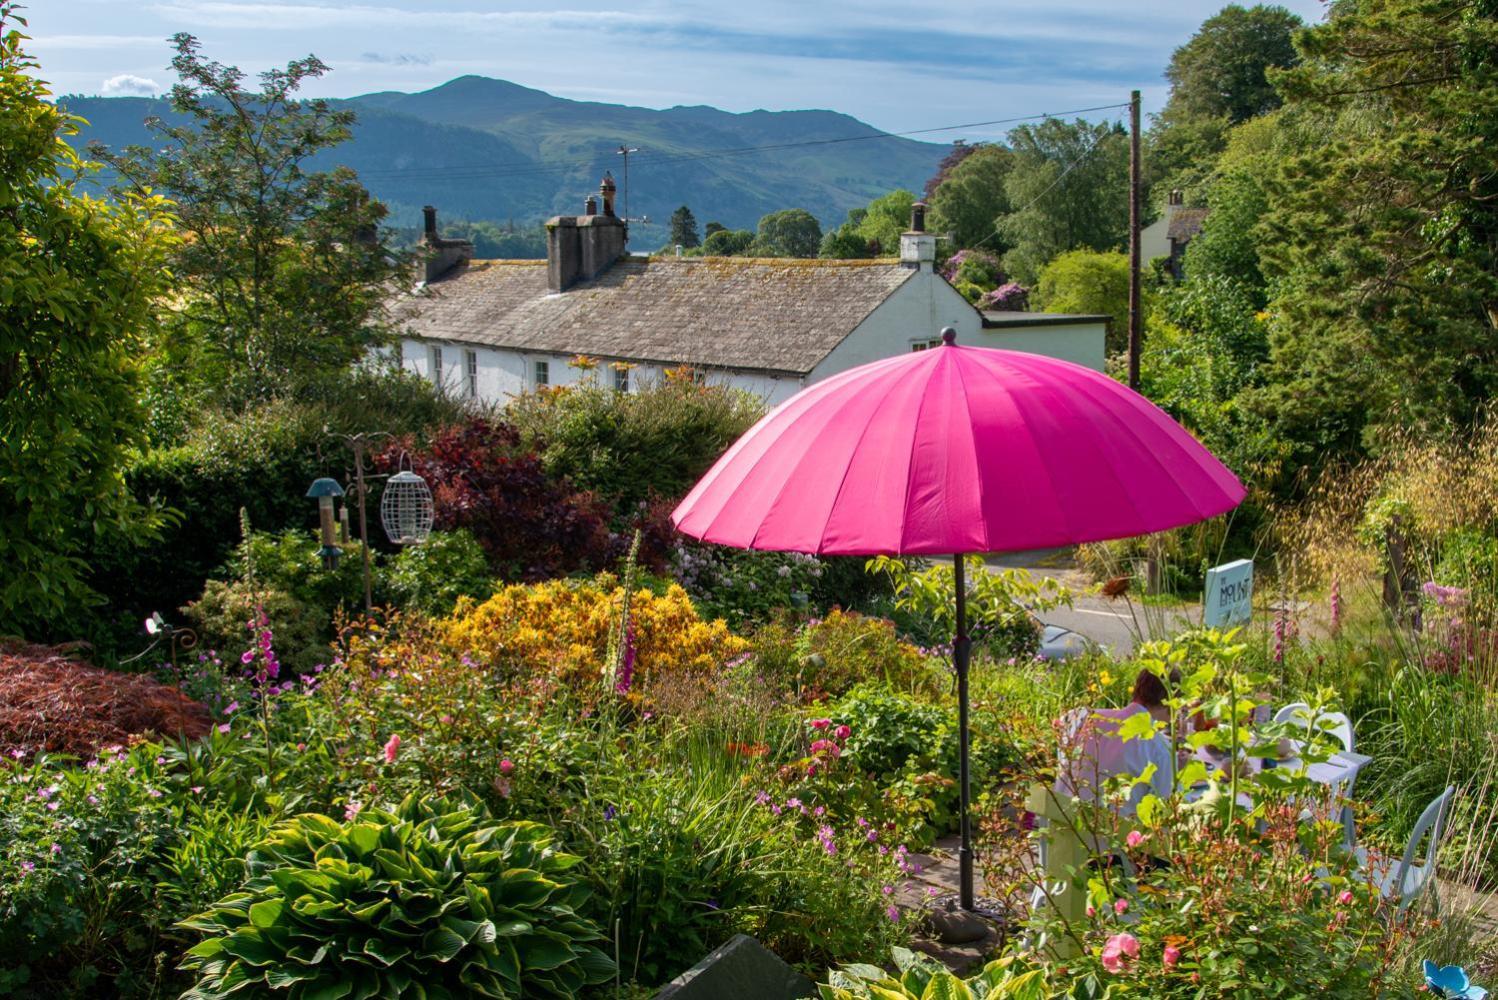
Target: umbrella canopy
[{"x": 957, "y": 449}]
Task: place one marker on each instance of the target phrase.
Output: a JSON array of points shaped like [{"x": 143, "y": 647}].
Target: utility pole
[
  {"x": 624, "y": 151},
  {"x": 1136, "y": 321}
]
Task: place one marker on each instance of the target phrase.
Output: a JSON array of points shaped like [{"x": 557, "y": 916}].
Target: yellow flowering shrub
[{"x": 561, "y": 628}]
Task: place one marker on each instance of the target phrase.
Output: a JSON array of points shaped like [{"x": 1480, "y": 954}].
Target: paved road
[{"x": 1114, "y": 623}]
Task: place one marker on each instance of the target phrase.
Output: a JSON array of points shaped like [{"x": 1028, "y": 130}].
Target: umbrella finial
[{"x": 949, "y": 336}]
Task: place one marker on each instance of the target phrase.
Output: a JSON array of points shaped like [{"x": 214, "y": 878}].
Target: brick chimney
[
  {"x": 918, "y": 247},
  {"x": 441, "y": 255},
  {"x": 581, "y": 247}
]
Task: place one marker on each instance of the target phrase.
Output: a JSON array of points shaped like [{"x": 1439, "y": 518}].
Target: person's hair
[{"x": 1150, "y": 690}]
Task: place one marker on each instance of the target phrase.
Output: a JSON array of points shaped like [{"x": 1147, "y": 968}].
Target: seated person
[{"x": 1095, "y": 753}]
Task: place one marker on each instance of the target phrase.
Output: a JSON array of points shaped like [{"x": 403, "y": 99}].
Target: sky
[{"x": 896, "y": 65}]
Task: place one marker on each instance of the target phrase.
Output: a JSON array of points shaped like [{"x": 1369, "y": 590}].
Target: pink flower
[
  {"x": 843, "y": 732},
  {"x": 1171, "y": 956},
  {"x": 1134, "y": 839},
  {"x": 1091, "y": 910},
  {"x": 820, "y": 724},
  {"x": 1345, "y": 897},
  {"x": 1120, "y": 906},
  {"x": 350, "y": 811},
  {"x": 392, "y": 748},
  {"x": 446, "y": 720},
  {"x": 1118, "y": 951},
  {"x": 893, "y": 913},
  {"x": 506, "y": 766},
  {"x": 223, "y": 727}
]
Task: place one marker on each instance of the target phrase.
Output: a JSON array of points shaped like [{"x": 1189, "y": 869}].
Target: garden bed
[{"x": 52, "y": 701}]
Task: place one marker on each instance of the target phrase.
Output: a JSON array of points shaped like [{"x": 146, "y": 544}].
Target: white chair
[
  {"x": 1336, "y": 723},
  {"x": 1405, "y": 882}
]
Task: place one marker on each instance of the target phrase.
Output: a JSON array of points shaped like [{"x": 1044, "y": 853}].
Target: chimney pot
[
  {"x": 429, "y": 221},
  {"x": 1176, "y": 198},
  {"x": 918, "y": 217},
  {"x": 590, "y": 207},
  {"x": 606, "y": 189}
]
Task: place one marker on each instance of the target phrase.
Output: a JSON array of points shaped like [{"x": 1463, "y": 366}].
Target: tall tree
[
  {"x": 684, "y": 229},
  {"x": 968, "y": 203},
  {"x": 1222, "y": 72},
  {"x": 1069, "y": 185},
  {"x": 284, "y": 271},
  {"x": 872, "y": 231},
  {"x": 1382, "y": 242},
  {"x": 79, "y": 283},
  {"x": 960, "y": 151},
  {"x": 790, "y": 232}
]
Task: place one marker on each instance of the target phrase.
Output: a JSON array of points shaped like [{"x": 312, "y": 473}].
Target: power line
[{"x": 476, "y": 171}]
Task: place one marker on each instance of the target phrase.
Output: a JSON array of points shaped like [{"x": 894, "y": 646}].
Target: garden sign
[{"x": 1229, "y": 594}]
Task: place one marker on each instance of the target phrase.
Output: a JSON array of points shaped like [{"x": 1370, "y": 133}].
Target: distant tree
[
  {"x": 1069, "y": 186},
  {"x": 492, "y": 241},
  {"x": 790, "y": 232},
  {"x": 712, "y": 227},
  {"x": 872, "y": 231},
  {"x": 1222, "y": 72},
  {"x": 727, "y": 243},
  {"x": 82, "y": 281},
  {"x": 967, "y": 204},
  {"x": 1085, "y": 281},
  {"x": 285, "y": 273},
  {"x": 684, "y": 228},
  {"x": 960, "y": 151}
]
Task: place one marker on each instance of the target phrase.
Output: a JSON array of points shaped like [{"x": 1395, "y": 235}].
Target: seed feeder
[
  {"x": 324, "y": 490},
  {"x": 406, "y": 508}
]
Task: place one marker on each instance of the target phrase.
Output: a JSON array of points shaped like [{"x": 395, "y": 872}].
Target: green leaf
[
  {"x": 442, "y": 944},
  {"x": 266, "y": 912}
]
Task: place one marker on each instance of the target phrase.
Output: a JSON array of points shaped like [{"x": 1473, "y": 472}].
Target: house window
[
  {"x": 621, "y": 378},
  {"x": 699, "y": 377},
  {"x": 543, "y": 373},
  {"x": 925, "y": 345},
  {"x": 437, "y": 366},
  {"x": 471, "y": 369}
]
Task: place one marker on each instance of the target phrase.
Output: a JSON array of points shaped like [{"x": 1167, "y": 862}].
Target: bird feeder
[
  {"x": 324, "y": 490},
  {"x": 406, "y": 508}
]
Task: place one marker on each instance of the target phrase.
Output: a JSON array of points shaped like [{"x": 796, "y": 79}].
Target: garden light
[{"x": 325, "y": 490}]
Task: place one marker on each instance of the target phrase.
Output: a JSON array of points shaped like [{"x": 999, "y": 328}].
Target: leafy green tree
[
  {"x": 81, "y": 281},
  {"x": 1381, "y": 244},
  {"x": 727, "y": 243},
  {"x": 873, "y": 231},
  {"x": 283, "y": 273},
  {"x": 684, "y": 229},
  {"x": 1069, "y": 183},
  {"x": 960, "y": 151},
  {"x": 1222, "y": 72},
  {"x": 1226, "y": 247},
  {"x": 968, "y": 204},
  {"x": 790, "y": 232},
  {"x": 1085, "y": 281},
  {"x": 712, "y": 227}
]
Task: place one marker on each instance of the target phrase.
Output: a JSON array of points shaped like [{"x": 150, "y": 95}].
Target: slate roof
[
  {"x": 755, "y": 314},
  {"x": 1185, "y": 223}
]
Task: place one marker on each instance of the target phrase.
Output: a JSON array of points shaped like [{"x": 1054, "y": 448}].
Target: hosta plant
[
  {"x": 433, "y": 900},
  {"x": 922, "y": 978}
]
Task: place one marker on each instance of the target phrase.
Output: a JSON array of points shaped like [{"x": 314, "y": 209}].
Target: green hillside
[{"x": 489, "y": 149}]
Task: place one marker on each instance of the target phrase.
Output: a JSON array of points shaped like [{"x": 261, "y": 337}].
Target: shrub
[
  {"x": 486, "y": 480},
  {"x": 743, "y": 586},
  {"x": 221, "y": 614},
  {"x": 561, "y": 629},
  {"x": 847, "y": 648},
  {"x": 432, "y": 894},
  {"x": 918, "y": 977},
  {"x": 430, "y": 577},
  {"x": 627, "y": 447}
]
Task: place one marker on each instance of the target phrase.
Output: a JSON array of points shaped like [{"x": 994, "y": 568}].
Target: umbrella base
[{"x": 951, "y": 924}]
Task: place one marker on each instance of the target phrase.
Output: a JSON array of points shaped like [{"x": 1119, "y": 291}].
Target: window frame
[
  {"x": 541, "y": 372},
  {"x": 434, "y": 360},
  {"x": 471, "y": 372}
]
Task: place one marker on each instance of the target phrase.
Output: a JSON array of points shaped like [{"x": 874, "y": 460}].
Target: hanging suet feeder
[
  {"x": 406, "y": 508},
  {"x": 324, "y": 490}
]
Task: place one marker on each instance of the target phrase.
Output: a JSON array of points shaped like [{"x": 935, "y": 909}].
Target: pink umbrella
[{"x": 950, "y": 451}]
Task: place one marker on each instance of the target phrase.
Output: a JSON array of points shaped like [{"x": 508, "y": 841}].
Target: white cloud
[{"x": 130, "y": 85}]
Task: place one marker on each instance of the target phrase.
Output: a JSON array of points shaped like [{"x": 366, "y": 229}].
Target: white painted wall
[
  {"x": 918, "y": 310},
  {"x": 1081, "y": 343}
]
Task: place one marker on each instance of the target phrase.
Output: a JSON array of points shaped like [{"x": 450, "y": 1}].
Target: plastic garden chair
[
  {"x": 1336, "y": 723},
  {"x": 1407, "y": 880}
]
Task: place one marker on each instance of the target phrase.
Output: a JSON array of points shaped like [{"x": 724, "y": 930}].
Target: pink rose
[
  {"x": 392, "y": 748},
  {"x": 1118, "y": 951},
  {"x": 1120, "y": 906},
  {"x": 1091, "y": 910},
  {"x": 820, "y": 724},
  {"x": 1345, "y": 897},
  {"x": 844, "y": 731},
  {"x": 1134, "y": 839},
  {"x": 506, "y": 766},
  {"x": 1171, "y": 957}
]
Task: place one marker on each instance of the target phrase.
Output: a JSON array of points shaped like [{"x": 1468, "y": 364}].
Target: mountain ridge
[{"x": 481, "y": 148}]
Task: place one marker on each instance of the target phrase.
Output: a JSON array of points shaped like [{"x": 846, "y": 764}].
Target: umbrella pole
[{"x": 961, "y": 648}]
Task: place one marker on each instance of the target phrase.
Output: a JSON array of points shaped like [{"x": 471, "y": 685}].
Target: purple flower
[
  {"x": 609, "y": 813},
  {"x": 893, "y": 913}
]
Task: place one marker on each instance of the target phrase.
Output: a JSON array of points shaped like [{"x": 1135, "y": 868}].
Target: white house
[{"x": 491, "y": 329}]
